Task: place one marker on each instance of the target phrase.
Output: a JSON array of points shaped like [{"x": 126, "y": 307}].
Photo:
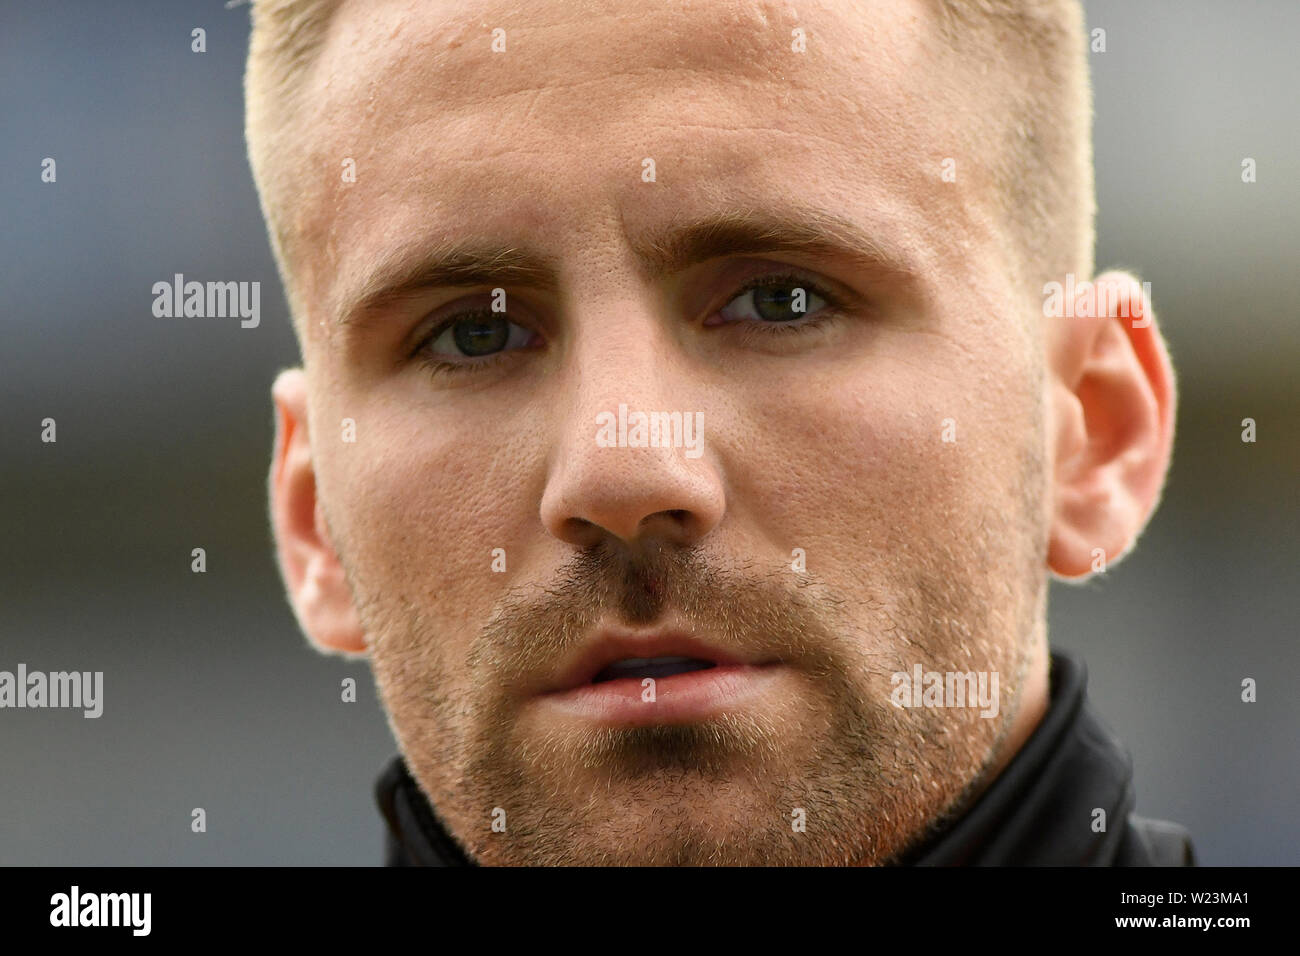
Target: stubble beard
[
  {"x": 844, "y": 777},
  {"x": 868, "y": 780}
]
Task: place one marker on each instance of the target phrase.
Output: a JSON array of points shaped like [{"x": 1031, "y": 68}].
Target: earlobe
[
  {"x": 313, "y": 575},
  {"x": 1113, "y": 419}
]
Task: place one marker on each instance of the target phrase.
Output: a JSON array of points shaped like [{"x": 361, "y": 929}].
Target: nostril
[
  {"x": 583, "y": 533},
  {"x": 671, "y": 523}
]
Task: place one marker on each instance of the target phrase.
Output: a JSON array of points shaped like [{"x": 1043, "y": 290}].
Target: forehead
[{"x": 843, "y": 106}]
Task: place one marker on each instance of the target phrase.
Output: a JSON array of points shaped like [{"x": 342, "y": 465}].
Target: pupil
[
  {"x": 773, "y": 302},
  {"x": 481, "y": 336}
]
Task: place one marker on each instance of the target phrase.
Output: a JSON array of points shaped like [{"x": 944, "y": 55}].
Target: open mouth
[
  {"x": 656, "y": 667},
  {"x": 605, "y": 682}
]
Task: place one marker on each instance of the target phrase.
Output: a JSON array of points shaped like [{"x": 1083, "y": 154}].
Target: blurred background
[{"x": 213, "y": 698}]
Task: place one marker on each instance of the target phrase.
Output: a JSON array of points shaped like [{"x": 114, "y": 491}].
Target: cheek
[
  {"x": 905, "y": 444},
  {"x": 424, "y": 506}
]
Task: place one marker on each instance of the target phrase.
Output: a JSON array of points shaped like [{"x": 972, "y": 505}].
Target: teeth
[{"x": 650, "y": 667}]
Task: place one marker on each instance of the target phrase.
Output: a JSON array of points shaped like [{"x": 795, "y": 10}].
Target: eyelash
[
  {"x": 785, "y": 280},
  {"x": 768, "y": 280}
]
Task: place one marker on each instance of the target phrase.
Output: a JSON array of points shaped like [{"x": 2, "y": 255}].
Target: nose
[{"x": 612, "y": 478}]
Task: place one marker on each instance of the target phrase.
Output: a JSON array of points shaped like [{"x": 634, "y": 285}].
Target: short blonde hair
[
  {"x": 1043, "y": 176},
  {"x": 282, "y": 50}
]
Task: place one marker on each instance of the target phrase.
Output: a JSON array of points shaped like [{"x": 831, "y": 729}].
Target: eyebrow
[
  {"x": 448, "y": 264},
  {"x": 666, "y": 251},
  {"x": 813, "y": 233}
]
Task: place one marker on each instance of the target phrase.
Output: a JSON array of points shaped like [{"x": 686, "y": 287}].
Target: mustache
[{"x": 771, "y": 612}]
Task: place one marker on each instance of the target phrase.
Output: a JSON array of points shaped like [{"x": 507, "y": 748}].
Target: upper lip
[{"x": 609, "y": 646}]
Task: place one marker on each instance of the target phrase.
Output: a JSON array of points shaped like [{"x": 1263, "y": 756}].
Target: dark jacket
[{"x": 1038, "y": 812}]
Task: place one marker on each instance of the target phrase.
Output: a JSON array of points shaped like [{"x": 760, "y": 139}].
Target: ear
[
  {"x": 312, "y": 572},
  {"x": 1112, "y": 425}
]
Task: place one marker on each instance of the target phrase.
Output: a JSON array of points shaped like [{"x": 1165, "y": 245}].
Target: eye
[
  {"x": 477, "y": 335},
  {"x": 775, "y": 300}
]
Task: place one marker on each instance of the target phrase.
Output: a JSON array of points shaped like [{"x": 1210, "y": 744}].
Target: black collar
[{"x": 1041, "y": 810}]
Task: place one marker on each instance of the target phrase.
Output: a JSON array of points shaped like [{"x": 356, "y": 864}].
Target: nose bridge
[{"x": 630, "y": 455}]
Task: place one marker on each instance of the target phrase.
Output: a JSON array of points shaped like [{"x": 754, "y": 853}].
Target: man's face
[{"x": 868, "y": 492}]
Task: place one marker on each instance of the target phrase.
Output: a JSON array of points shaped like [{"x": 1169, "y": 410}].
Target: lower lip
[{"x": 679, "y": 698}]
